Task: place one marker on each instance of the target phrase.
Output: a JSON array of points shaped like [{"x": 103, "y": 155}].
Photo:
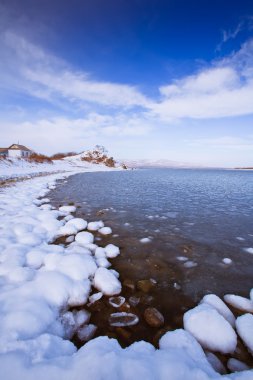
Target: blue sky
[{"x": 147, "y": 79}]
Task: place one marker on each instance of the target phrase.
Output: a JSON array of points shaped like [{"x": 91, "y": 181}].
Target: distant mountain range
[{"x": 162, "y": 163}]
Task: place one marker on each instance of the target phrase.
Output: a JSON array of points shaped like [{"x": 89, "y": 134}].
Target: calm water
[{"x": 203, "y": 215}]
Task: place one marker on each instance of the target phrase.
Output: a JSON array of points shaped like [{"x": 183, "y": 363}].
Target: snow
[
  {"x": 84, "y": 238},
  {"x": 79, "y": 223},
  {"x": 244, "y": 327},
  {"x": 67, "y": 209},
  {"x": 210, "y": 328},
  {"x": 239, "y": 302},
  {"x": 105, "y": 230},
  {"x": 227, "y": 261},
  {"x": 215, "y": 363},
  {"x": 235, "y": 365},
  {"x": 40, "y": 281},
  {"x": 220, "y": 306},
  {"x": 106, "y": 282},
  {"x": 95, "y": 226},
  {"x": 112, "y": 251},
  {"x": 145, "y": 240}
]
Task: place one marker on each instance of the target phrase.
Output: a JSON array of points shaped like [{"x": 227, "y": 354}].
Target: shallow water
[{"x": 193, "y": 218}]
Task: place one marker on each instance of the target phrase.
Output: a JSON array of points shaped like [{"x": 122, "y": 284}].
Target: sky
[{"x": 154, "y": 79}]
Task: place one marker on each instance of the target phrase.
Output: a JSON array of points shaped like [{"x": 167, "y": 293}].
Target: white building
[{"x": 15, "y": 150}]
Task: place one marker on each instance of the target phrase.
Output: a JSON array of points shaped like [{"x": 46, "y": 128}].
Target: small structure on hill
[{"x": 15, "y": 150}]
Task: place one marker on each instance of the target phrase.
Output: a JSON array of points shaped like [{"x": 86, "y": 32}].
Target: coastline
[{"x": 172, "y": 346}]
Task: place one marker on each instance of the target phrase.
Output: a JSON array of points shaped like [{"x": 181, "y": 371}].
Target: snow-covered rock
[
  {"x": 220, "y": 306},
  {"x": 106, "y": 282},
  {"x": 84, "y": 238},
  {"x": 239, "y": 302},
  {"x": 244, "y": 327},
  {"x": 210, "y": 328}
]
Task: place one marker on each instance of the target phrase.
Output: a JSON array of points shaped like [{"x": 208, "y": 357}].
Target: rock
[
  {"x": 145, "y": 285},
  {"x": 129, "y": 284},
  {"x": 134, "y": 301},
  {"x": 123, "y": 319},
  {"x": 153, "y": 317}
]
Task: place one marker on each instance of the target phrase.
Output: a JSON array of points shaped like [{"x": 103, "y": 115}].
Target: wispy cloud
[
  {"x": 230, "y": 34},
  {"x": 225, "y": 142}
]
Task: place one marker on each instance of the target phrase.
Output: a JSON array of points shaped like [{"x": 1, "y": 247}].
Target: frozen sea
[{"x": 190, "y": 219}]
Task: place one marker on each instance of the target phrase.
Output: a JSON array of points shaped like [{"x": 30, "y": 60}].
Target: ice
[
  {"x": 86, "y": 332},
  {"x": 112, "y": 251},
  {"x": 123, "y": 319},
  {"x": 95, "y": 297},
  {"x": 220, "y": 306},
  {"x": 70, "y": 239},
  {"x": 79, "y": 223},
  {"x": 116, "y": 301},
  {"x": 84, "y": 238},
  {"x": 105, "y": 230},
  {"x": 103, "y": 262},
  {"x": 190, "y": 264},
  {"x": 67, "y": 209},
  {"x": 182, "y": 258},
  {"x": 100, "y": 253},
  {"x": 235, "y": 365},
  {"x": 106, "y": 282},
  {"x": 81, "y": 317},
  {"x": 210, "y": 328},
  {"x": 227, "y": 261},
  {"x": 67, "y": 230},
  {"x": 216, "y": 363},
  {"x": 95, "y": 226},
  {"x": 248, "y": 250},
  {"x": 239, "y": 302},
  {"x": 145, "y": 240},
  {"x": 244, "y": 327}
]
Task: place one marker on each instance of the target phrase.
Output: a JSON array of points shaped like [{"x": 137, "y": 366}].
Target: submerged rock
[
  {"x": 153, "y": 317},
  {"x": 123, "y": 319},
  {"x": 145, "y": 285}
]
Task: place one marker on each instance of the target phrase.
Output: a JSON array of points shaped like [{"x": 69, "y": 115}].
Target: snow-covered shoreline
[{"x": 39, "y": 281}]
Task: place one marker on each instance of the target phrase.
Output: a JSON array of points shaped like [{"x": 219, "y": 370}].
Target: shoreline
[{"x": 22, "y": 276}]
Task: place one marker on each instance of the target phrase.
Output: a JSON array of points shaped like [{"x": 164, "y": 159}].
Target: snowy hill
[
  {"x": 162, "y": 163},
  {"x": 94, "y": 160}
]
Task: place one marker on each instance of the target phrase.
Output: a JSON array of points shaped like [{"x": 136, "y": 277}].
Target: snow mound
[{"x": 244, "y": 327}]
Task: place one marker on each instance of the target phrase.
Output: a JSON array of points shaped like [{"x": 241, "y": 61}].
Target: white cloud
[
  {"x": 225, "y": 142},
  {"x": 42, "y": 75},
  {"x": 224, "y": 90}
]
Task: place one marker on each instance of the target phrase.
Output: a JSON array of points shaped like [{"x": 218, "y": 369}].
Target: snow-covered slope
[{"x": 162, "y": 163}]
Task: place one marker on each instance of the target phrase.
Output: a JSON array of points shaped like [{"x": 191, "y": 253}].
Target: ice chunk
[
  {"x": 235, "y": 365},
  {"x": 220, "y": 306},
  {"x": 145, "y": 240},
  {"x": 81, "y": 317},
  {"x": 227, "y": 261},
  {"x": 67, "y": 209},
  {"x": 95, "y": 297},
  {"x": 248, "y": 250},
  {"x": 86, "y": 332},
  {"x": 244, "y": 327},
  {"x": 103, "y": 262},
  {"x": 112, "y": 251},
  {"x": 210, "y": 328},
  {"x": 123, "y": 319},
  {"x": 94, "y": 226},
  {"x": 190, "y": 264},
  {"x": 105, "y": 230},
  {"x": 79, "y": 223},
  {"x": 84, "y": 238},
  {"x": 216, "y": 363},
  {"x": 239, "y": 302},
  {"x": 67, "y": 229},
  {"x": 70, "y": 239},
  {"x": 116, "y": 301},
  {"x": 100, "y": 253},
  {"x": 106, "y": 282}
]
